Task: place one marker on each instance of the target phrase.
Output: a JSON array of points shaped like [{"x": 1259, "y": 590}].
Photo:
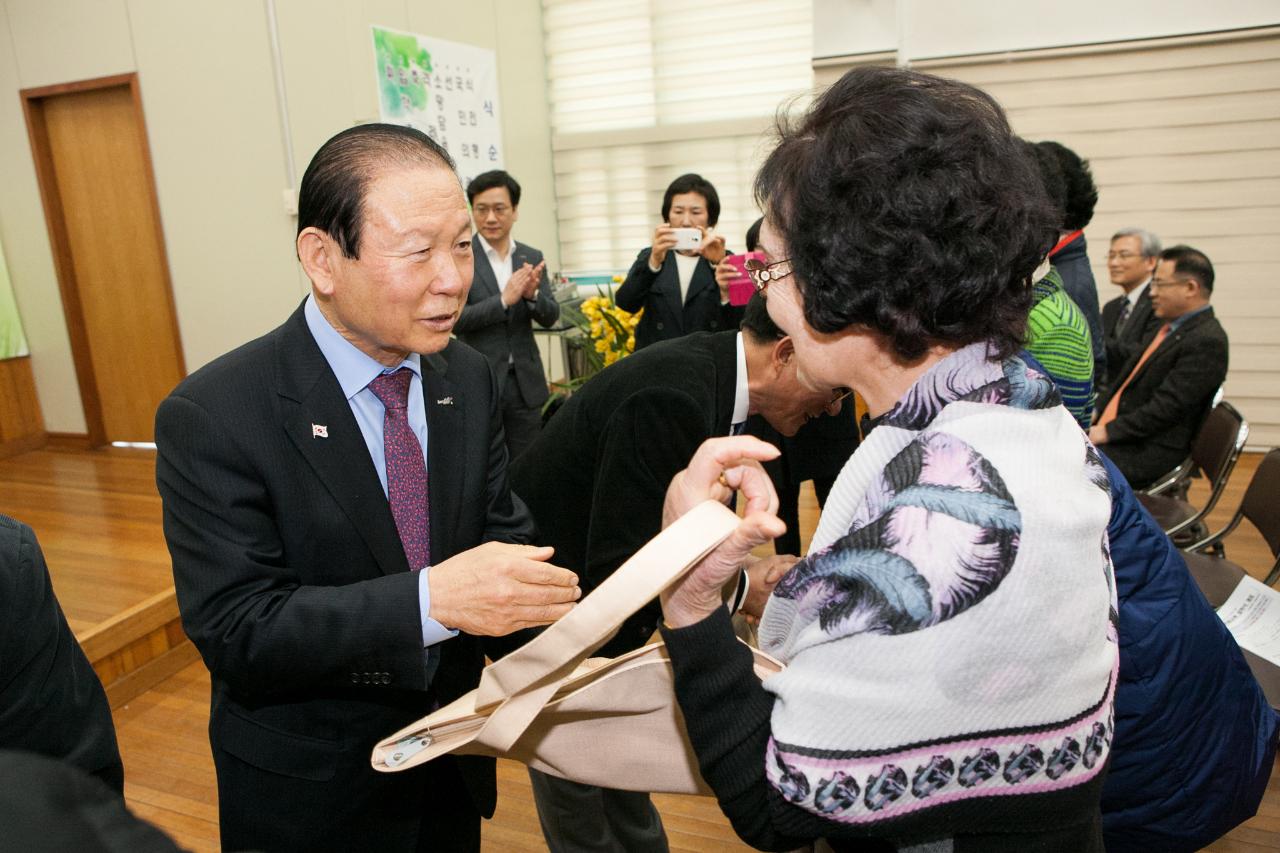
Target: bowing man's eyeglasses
[{"x": 763, "y": 274}]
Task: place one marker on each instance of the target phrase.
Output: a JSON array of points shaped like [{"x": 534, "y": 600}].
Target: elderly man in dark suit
[
  {"x": 511, "y": 287},
  {"x": 1148, "y": 422},
  {"x": 595, "y": 480},
  {"x": 342, "y": 532},
  {"x": 1127, "y": 320},
  {"x": 51, "y": 701}
]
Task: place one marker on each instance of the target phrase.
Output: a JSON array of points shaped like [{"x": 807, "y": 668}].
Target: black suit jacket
[
  {"x": 1165, "y": 403},
  {"x": 500, "y": 332},
  {"x": 665, "y": 316},
  {"x": 51, "y": 701},
  {"x": 293, "y": 584},
  {"x": 48, "y": 806},
  {"x": 597, "y": 474},
  {"x": 1123, "y": 342}
]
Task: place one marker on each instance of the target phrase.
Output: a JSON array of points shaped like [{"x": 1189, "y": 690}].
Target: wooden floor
[{"x": 97, "y": 517}]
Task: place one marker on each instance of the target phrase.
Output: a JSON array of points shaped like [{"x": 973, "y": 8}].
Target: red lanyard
[{"x": 1064, "y": 241}]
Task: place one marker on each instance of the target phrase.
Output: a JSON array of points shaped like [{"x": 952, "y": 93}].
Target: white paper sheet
[{"x": 1252, "y": 615}]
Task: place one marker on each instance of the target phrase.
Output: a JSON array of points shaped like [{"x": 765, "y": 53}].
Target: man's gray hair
[{"x": 1149, "y": 242}]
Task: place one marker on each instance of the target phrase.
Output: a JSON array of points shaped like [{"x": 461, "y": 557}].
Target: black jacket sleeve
[
  {"x": 648, "y": 439},
  {"x": 634, "y": 290},
  {"x": 727, "y": 713}
]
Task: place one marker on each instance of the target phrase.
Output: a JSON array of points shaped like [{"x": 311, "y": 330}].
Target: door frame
[{"x": 59, "y": 241}]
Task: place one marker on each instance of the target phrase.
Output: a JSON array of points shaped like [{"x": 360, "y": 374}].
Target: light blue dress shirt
[{"x": 354, "y": 371}]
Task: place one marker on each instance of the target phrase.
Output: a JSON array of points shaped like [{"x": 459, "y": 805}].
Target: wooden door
[{"x": 94, "y": 168}]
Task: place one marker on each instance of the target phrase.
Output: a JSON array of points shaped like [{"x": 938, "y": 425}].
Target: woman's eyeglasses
[{"x": 763, "y": 274}]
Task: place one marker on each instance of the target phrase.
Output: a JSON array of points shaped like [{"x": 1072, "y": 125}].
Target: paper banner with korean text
[{"x": 447, "y": 90}]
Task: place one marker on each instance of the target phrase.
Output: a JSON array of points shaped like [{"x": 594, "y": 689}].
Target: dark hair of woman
[
  {"x": 1082, "y": 193},
  {"x": 1055, "y": 183},
  {"x": 331, "y": 195},
  {"x": 909, "y": 208},
  {"x": 753, "y": 234},
  {"x": 692, "y": 183}
]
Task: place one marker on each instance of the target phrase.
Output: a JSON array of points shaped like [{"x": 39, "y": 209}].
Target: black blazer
[
  {"x": 1122, "y": 343},
  {"x": 51, "y": 701},
  {"x": 665, "y": 317},
  {"x": 1162, "y": 408},
  {"x": 499, "y": 332},
  {"x": 597, "y": 474},
  {"x": 293, "y": 584},
  {"x": 49, "y": 806}
]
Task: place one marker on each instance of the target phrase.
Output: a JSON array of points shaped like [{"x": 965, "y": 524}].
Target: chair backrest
[
  {"x": 1219, "y": 442},
  {"x": 1216, "y": 449},
  {"x": 1177, "y": 482},
  {"x": 1261, "y": 504}
]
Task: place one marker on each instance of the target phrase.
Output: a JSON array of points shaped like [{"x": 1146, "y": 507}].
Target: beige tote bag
[{"x": 608, "y": 722}]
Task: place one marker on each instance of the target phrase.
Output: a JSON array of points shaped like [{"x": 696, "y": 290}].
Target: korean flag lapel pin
[{"x": 319, "y": 431}]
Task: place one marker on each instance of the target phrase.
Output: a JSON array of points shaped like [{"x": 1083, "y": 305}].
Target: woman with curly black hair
[{"x": 950, "y": 637}]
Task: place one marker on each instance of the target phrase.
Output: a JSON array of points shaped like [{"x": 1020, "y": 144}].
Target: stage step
[{"x": 138, "y": 648}]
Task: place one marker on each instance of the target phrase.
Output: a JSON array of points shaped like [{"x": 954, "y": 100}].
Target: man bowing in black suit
[
  {"x": 596, "y": 479},
  {"x": 511, "y": 288},
  {"x": 336, "y": 506}
]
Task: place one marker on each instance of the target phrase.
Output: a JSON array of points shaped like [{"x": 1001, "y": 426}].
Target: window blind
[{"x": 641, "y": 92}]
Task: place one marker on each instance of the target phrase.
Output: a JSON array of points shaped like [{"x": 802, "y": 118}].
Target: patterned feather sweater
[{"x": 950, "y": 639}]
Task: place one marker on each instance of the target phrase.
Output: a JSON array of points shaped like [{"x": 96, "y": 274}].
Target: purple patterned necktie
[{"x": 406, "y": 472}]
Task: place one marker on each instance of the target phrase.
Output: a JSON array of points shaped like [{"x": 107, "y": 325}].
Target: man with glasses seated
[
  {"x": 1148, "y": 422},
  {"x": 1127, "y": 320}
]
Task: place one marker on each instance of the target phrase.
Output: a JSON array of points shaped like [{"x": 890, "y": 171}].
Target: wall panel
[{"x": 1184, "y": 139}]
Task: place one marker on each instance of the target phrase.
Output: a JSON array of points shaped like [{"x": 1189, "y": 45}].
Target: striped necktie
[{"x": 1125, "y": 310}]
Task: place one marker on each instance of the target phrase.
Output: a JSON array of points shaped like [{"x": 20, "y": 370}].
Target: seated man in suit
[
  {"x": 1148, "y": 423},
  {"x": 510, "y": 288},
  {"x": 1127, "y": 320},
  {"x": 595, "y": 480},
  {"x": 51, "y": 701},
  {"x": 342, "y": 532}
]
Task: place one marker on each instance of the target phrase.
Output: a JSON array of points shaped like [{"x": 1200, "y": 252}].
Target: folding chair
[
  {"x": 1216, "y": 449},
  {"x": 1260, "y": 506},
  {"x": 1178, "y": 481},
  {"x": 1218, "y": 576}
]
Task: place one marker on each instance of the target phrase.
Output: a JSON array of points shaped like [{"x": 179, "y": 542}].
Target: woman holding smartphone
[{"x": 674, "y": 279}]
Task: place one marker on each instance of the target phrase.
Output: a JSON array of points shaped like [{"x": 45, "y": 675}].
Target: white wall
[
  {"x": 218, "y": 148},
  {"x": 923, "y": 29}
]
